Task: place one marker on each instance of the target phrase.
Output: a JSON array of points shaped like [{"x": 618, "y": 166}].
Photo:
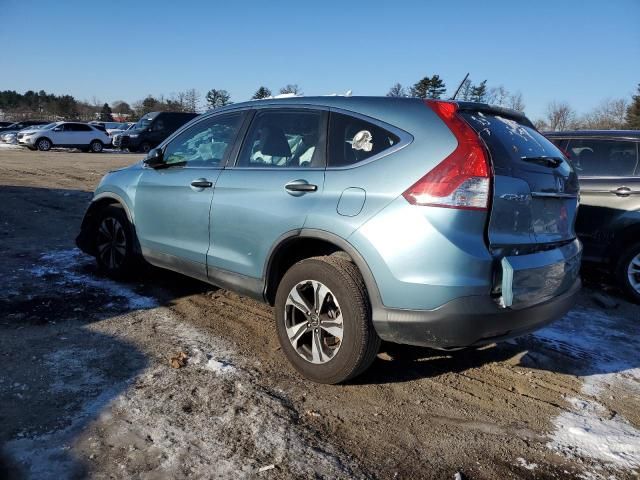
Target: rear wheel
[
  {"x": 43, "y": 144},
  {"x": 323, "y": 320},
  {"x": 628, "y": 272},
  {"x": 114, "y": 242},
  {"x": 145, "y": 147},
  {"x": 96, "y": 146}
]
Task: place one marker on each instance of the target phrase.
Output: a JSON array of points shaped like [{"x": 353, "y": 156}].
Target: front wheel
[
  {"x": 628, "y": 272},
  {"x": 43, "y": 144},
  {"x": 323, "y": 320},
  {"x": 96, "y": 146},
  {"x": 114, "y": 243}
]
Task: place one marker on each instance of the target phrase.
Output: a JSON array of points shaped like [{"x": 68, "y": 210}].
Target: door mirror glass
[
  {"x": 154, "y": 158},
  {"x": 57, "y": 129}
]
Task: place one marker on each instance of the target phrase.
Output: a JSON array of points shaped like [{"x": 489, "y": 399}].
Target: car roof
[
  {"x": 633, "y": 134},
  {"x": 394, "y": 110}
]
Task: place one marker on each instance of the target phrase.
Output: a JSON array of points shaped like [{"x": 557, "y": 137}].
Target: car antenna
[{"x": 460, "y": 86}]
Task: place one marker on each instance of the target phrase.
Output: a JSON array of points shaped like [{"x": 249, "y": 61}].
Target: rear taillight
[{"x": 462, "y": 179}]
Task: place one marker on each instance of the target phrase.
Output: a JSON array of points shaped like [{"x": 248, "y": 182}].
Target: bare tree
[
  {"x": 397, "y": 91},
  {"x": 560, "y": 116},
  {"x": 609, "y": 115},
  {"x": 191, "y": 100},
  {"x": 516, "y": 102},
  {"x": 497, "y": 96},
  {"x": 291, "y": 88}
]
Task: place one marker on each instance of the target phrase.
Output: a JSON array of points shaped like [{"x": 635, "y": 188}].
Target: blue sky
[{"x": 577, "y": 51}]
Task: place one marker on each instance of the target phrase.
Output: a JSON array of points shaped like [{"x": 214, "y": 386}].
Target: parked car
[
  {"x": 609, "y": 218},
  {"x": 89, "y": 138},
  {"x": 109, "y": 127},
  {"x": 16, "y": 126},
  {"x": 5, "y": 124},
  {"x": 431, "y": 223},
  {"x": 11, "y": 136},
  {"x": 123, "y": 128},
  {"x": 151, "y": 130}
]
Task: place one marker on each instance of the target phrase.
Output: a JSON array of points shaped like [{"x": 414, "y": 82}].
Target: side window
[
  {"x": 352, "y": 140},
  {"x": 285, "y": 139},
  {"x": 82, "y": 128},
  {"x": 204, "y": 144},
  {"x": 603, "y": 158},
  {"x": 159, "y": 125}
]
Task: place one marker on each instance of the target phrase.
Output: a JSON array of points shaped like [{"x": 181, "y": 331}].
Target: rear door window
[
  {"x": 603, "y": 158},
  {"x": 285, "y": 138},
  {"x": 353, "y": 140}
]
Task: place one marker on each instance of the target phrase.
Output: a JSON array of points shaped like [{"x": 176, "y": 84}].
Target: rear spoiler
[{"x": 495, "y": 110}]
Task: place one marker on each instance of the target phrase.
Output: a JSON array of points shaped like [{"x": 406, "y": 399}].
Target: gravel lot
[{"x": 88, "y": 389}]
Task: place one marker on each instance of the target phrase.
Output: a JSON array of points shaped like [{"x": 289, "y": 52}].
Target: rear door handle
[
  {"x": 201, "y": 183},
  {"x": 300, "y": 186},
  {"x": 623, "y": 191}
]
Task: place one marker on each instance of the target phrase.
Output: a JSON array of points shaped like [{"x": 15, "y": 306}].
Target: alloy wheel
[
  {"x": 44, "y": 144},
  {"x": 633, "y": 273},
  {"x": 111, "y": 243},
  {"x": 313, "y": 320}
]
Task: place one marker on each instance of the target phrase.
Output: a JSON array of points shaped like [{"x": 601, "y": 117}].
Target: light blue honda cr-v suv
[{"x": 442, "y": 224}]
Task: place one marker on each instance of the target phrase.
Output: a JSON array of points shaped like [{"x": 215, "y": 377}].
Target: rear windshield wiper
[{"x": 551, "y": 162}]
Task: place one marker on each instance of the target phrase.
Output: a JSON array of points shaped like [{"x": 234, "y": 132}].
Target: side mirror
[
  {"x": 154, "y": 158},
  {"x": 57, "y": 129}
]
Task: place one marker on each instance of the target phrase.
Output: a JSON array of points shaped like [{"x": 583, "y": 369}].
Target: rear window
[
  {"x": 353, "y": 140},
  {"x": 508, "y": 139},
  {"x": 603, "y": 158}
]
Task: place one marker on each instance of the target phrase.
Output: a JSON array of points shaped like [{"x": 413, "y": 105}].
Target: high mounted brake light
[{"x": 462, "y": 179}]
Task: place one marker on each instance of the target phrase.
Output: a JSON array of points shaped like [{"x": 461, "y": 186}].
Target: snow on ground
[
  {"x": 608, "y": 353},
  {"x": 63, "y": 265},
  {"x": 125, "y": 410}
]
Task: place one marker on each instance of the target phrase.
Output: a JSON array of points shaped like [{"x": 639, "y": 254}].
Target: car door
[
  {"x": 172, "y": 202},
  {"x": 268, "y": 193},
  {"x": 83, "y": 134},
  {"x": 62, "y": 135},
  {"x": 609, "y": 189}
]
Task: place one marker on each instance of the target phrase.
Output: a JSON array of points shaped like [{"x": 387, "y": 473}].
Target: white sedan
[{"x": 84, "y": 136}]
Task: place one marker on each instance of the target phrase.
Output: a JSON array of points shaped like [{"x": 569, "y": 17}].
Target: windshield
[{"x": 49, "y": 126}]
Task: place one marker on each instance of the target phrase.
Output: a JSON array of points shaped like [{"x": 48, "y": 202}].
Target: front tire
[
  {"x": 43, "y": 144},
  {"x": 96, "y": 146},
  {"x": 628, "y": 272},
  {"x": 114, "y": 243},
  {"x": 323, "y": 320},
  {"x": 145, "y": 147}
]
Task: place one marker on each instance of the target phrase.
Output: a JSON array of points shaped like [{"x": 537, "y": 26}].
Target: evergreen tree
[
  {"x": 478, "y": 92},
  {"x": 262, "y": 92},
  {"x": 106, "y": 113},
  {"x": 429, "y": 87},
  {"x": 218, "y": 98},
  {"x": 397, "y": 91},
  {"x": 437, "y": 87},
  {"x": 633, "y": 112}
]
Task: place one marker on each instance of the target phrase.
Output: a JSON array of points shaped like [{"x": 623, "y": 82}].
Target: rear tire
[
  {"x": 96, "y": 146},
  {"x": 340, "y": 353},
  {"x": 145, "y": 147},
  {"x": 43, "y": 144},
  {"x": 628, "y": 272},
  {"x": 114, "y": 243}
]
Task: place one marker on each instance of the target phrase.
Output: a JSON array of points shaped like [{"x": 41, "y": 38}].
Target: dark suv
[
  {"x": 151, "y": 130},
  {"x": 609, "y": 216}
]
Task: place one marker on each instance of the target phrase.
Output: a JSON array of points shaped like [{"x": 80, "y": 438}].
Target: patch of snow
[
  {"x": 585, "y": 433},
  {"x": 65, "y": 264},
  {"x": 607, "y": 348},
  {"x": 523, "y": 463}
]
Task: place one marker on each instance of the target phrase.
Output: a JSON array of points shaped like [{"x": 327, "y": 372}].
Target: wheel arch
[
  {"x": 305, "y": 243},
  {"x": 623, "y": 239},
  {"x": 89, "y": 221}
]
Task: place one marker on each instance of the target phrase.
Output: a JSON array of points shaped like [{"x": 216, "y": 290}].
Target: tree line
[{"x": 613, "y": 113}]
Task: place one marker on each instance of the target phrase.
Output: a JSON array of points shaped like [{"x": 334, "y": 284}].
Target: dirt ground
[{"x": 88, "y": 391}]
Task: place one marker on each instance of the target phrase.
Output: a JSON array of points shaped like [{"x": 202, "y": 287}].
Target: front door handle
[
  {"x": 201, "y": 183},
  {"x": 622, "y": 191},
  {"x": 300, "y": 186}
]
